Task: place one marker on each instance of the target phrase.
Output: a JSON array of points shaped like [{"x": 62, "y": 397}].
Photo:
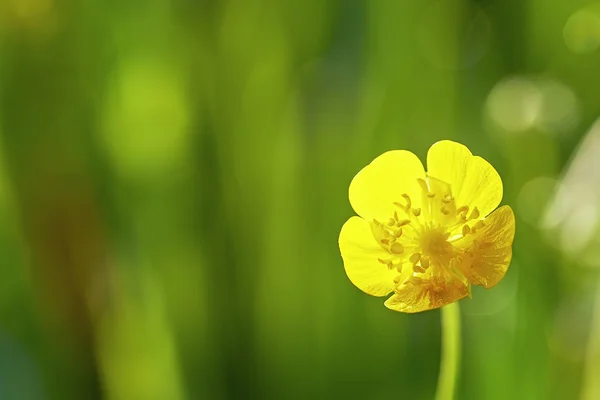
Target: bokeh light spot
[
  {"x": 533, "y": 197},
  {"x": 514, "y": 104},
  {"x": 560, "y": 108},
  {"x": 518, "y": 105},
  {"x": 147, "y": 118},
  {"x": 582, "y": 31},
  {"x": 578, "y": 229}
]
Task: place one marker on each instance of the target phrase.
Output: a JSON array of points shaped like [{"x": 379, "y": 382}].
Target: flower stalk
[{"x": 450, "y": 359}]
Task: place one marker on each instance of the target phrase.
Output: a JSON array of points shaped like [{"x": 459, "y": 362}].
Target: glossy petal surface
[
  {"x": 410, "y": 298},
  {"x": 377, "y": 186},
  {"x": 474, "y": 182},
  {"x": 360, "y": 253},
  {"x": 489, "y": 250}
]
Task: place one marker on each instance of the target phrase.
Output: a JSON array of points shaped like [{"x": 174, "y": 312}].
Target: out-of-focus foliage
[{"x": 174, "y": 176}]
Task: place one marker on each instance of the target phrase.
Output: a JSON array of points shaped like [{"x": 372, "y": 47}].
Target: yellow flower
[{"x": 427, "y": 237}]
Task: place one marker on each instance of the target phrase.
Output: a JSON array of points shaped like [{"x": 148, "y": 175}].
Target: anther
[
  {"x": 415, "y": 258},
  {"x": 392, "y": 222},
  {"x": 466, "y": 230},
  {"x": 444, "y": 210},
  {"x": 387, "y": 263},
  {"x": 408, "y": 202},
  {"x": 398, "y": 233},
  {"x": 480, "y": 224},
  {"x": 461, "y": 209},
  {"x": 447, "y": 199},
  {"x": 474, "y": 214},
  {"x": 418, "y": 268},
  {"x": 425, "y": 262},
  {"x": 402, "y": 223},
  {"x": 430, "y": 195},
  {"x": 397, "y": 248},
  {"x": 416, "y": 212},
  {"x": 397, "y": 279},
  {"x": 384, "y": 241}
]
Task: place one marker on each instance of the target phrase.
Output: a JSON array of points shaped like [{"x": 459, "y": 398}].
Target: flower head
[{"x": 428, "y": 236}]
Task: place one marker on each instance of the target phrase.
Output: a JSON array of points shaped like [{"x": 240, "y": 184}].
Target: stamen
[
  {"x": 474, "y": 214},
  {"x": 462, "y": 209},
  {"x": 391, "y": 222},
  {"x": 385, "y": 241},
  {"x": 415, "y": 258},
  {"x": 447, "y": 199},
  {"x": 398, "y": 233},
  {"x": 397, "y": 248},
  {"x": 387, "y": 263},
  {"x": 466, "y": 230},
  {"x": 480, "y": 224},
  {"x": 430, "y": 195},
  {"x": 425, "y": 262},
  {"x": 419, "y": 269},
  {"x": 444, "y": 211},
  {"x": 416, "y": 212},
  {"x": 408, "y": 202},
  {"x": 402, "y": 223}
]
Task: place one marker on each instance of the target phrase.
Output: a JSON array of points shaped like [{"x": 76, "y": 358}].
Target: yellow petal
[
  {"x": 474, "y": 182},
  {"x": 377, "y": 186},
  {"x": 360, "y": 253},
  {"x": 490, "y": 249},
  {"x": 410, "y": 298}
]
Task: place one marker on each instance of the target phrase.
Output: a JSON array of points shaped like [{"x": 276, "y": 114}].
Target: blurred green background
[{"x": 174, "y": 176}]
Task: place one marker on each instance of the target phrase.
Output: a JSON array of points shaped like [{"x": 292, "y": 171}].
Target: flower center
[
  {"x": 423, "y": 237},
  {"x": 434, "y": 243}
]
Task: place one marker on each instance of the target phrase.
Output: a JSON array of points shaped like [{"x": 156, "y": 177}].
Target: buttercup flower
[{"x": 428, "y": 236}]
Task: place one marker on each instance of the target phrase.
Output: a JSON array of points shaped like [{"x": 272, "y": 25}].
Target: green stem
[{"x": 450, "y": 361}]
